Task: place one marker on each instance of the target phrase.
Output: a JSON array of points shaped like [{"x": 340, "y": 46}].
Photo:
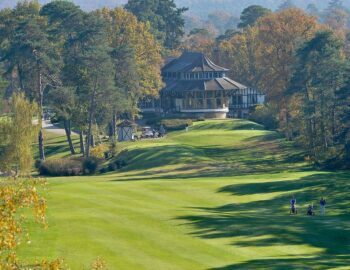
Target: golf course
[{"x": 213, "y": 198}]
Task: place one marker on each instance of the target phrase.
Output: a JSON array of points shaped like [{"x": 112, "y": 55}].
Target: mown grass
[
  {"x": 56, "y": 146},
  {"x": 213, "y": 198}
]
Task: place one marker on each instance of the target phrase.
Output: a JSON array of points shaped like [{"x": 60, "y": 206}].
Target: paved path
[{"x": 54, "y": 129}]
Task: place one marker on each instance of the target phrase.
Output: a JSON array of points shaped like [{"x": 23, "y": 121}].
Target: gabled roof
[
  {"x": 203, "y": 85},
  {"x": 192, "y": 62},
  {"x": 126, "y": 123}
]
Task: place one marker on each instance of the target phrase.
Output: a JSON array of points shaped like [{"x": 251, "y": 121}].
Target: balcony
[{"x": 204, "y": 110}]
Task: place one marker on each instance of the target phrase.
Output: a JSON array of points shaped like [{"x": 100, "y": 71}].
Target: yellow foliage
[
  {"x": 16, "y": 194},
  {"x": 98, "y": 264},
  {"x": 17, "y": 133},
  {"x": 99, "y": 150},
  {"x": 126, "y": 30}
]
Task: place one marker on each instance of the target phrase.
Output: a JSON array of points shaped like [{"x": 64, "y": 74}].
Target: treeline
[
  {"x": 302, "y": 65},
  {"x": 89, "y": 67}
]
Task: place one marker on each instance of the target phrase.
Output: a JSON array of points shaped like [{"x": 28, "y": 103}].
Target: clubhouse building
[{"x": 197, "y": 87}]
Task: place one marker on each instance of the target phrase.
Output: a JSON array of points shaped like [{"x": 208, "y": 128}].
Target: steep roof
[
  {"x": 192, "y": 62},
  {"x": 203, "y": 85}
]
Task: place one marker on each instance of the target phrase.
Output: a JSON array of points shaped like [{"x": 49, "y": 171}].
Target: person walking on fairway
[
  {"x": 186, "y": 127},
  {"x": 293, "y": 208},
  {"x": 323, "y": 206}
]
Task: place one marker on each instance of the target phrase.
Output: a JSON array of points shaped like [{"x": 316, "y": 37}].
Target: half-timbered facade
[{"x": 196, "y": 86}]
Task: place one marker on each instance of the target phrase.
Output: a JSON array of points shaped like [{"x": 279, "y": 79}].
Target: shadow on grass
[
  {"x": 264, "y": 154},
  {"x": 266, "y": 223},
  {"x": 316, "y": 262}
]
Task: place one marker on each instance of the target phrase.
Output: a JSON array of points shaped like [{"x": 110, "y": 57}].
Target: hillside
[{"x": 216, "y": 197}]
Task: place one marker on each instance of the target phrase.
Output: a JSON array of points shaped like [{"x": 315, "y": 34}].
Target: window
[
  {"x": 210, "y": 94},
  {"x": 199, "y": 94},
  {"x": 210, "y": 104}
]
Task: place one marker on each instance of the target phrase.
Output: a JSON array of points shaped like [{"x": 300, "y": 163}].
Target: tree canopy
[
  {"x": 166, "y": 20},
  {"x": 251, "y": 14}
]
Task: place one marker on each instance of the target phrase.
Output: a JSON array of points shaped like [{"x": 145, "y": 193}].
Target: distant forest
[
  {"x": 197, "y": 7},
  {"x": 215, "y": 15}
]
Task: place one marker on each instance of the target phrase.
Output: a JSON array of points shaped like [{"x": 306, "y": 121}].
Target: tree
[
  {"x": 280, "y": 35},
  {"x": 164, "y": 17},
  {"x": 31, "y": 56},
  {"x": 136, "y": 57},
  {"x": 251, "y": 14},
  {"x": 286, "y": 4},
  {"x": 14, "y": 196},
  {"x": 66, "y": 23},
  {"x": 62, "y": 100},
  {"x": 242, "y": 55},
  {"x": 17, "y": 133},
  {"x": 319, "y": 74},
  {"x": 200, "y": 31},
  {"x": 336, "y": 17},
  {"x": 221, "y": 20},
  {"x": 262, "y": 56},
  {"x": 313, "y": 10}
]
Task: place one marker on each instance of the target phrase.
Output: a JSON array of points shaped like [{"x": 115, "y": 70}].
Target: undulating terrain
[{"x": 216, "y": 197}]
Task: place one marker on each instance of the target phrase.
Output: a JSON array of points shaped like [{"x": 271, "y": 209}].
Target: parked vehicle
[{"x": 148, "y": 132}]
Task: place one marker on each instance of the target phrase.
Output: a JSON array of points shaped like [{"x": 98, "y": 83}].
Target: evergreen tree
[
  {"x": 251, "y": 14},
  {"x": 166, "y": 19},
  {"x": 319, "y": 74},
  {"x": 30, "y": 55}
]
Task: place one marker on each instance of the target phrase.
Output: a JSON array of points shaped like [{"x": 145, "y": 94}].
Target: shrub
[
  {"x": 116, "y": 165},
  {"x": 104, "y": 170},
  {"x": 99, "y": 151},
  {"x": 59, "y": 167},
  {"x": 265, "y": 115},
  {"x": 176, "y": 124},
  {"x": 90, "y": 165}
]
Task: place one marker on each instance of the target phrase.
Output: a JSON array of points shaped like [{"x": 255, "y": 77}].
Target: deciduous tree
[{"x": 17, "y": 133}]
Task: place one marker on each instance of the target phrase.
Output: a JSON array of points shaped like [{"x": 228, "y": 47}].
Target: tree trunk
[
  {"x": 40, "y": 118},
  {"x": 92, "y": 141},
  {"x": 82, "y": 147},
  {"x": 114, "y": 124},
  {"x": 89, "y": 132},
  {"x": 67, "y": 129}
]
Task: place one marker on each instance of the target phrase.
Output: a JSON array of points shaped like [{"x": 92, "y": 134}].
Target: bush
[
  {"x": 176, "y": 124},
  {"x": 90, "y": 165},
  {"x": 100, "y": 151},
  {"x": 116, "y": 165},
  {"x": 266, "y": 116},
  {"x": 104, "y": 170},
  {"x": 59, "y": 167}
]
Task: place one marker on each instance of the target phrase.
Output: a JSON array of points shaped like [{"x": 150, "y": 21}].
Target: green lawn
[{"x": 213, "y": 198}]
